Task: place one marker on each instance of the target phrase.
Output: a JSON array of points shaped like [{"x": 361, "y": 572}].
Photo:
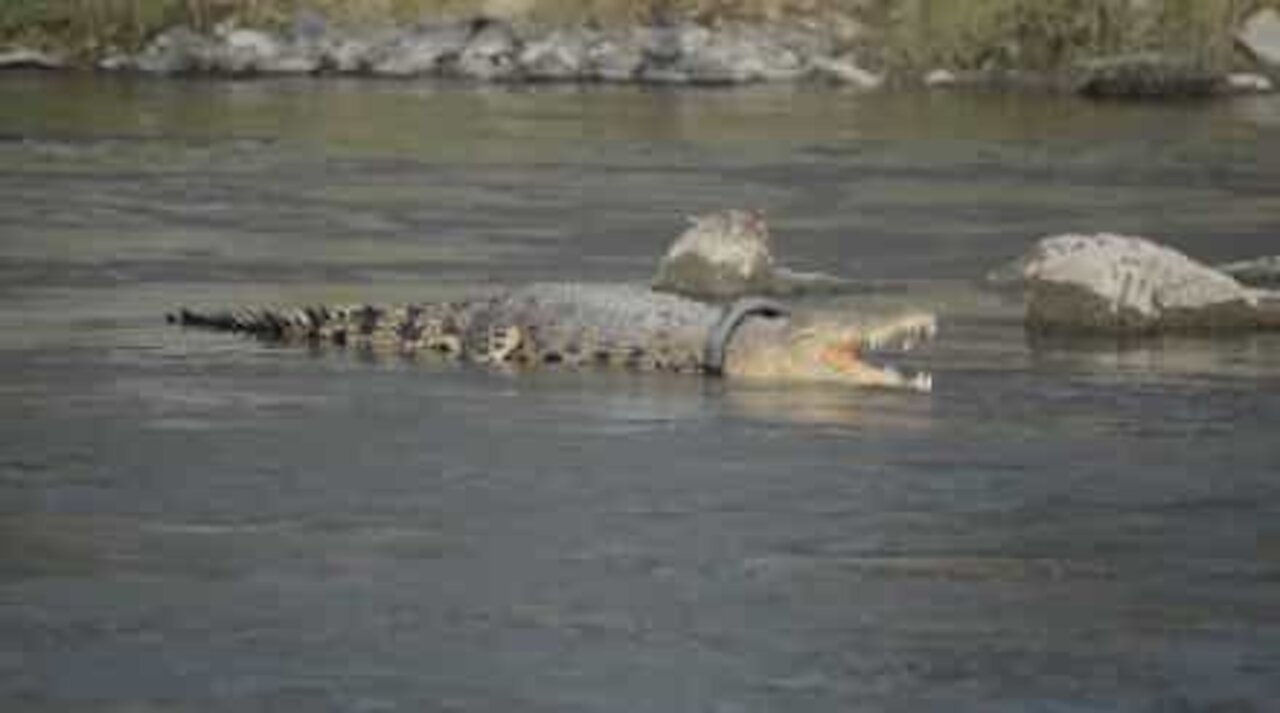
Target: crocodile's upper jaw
[
  {"x": 861, "y": 353},
  {"x": 869, "y": 358}
]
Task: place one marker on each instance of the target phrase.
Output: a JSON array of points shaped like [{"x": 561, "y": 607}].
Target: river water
[{"x": 194, "y": 522}]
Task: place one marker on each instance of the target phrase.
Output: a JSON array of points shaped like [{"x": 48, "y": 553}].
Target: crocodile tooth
[{"x": 923, "y": 382}]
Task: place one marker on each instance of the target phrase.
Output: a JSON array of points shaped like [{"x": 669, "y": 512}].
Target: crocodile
[{"x": 582, "y": 324}]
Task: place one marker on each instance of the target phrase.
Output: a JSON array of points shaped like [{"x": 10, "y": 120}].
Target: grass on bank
[
  {"x": 961, "y": 34},
  {"x": 1048, "y": 33}
]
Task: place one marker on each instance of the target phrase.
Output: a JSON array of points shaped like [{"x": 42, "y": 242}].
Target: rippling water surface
[{"x": 192, "y": 522}]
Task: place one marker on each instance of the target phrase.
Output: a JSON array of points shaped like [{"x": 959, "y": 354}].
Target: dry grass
[
  {"x": 910, "y": 33},
  {"x": 1047, "y": 33}
]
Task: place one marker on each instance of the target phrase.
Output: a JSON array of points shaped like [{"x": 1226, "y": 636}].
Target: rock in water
[
  {"x": 729, "y": 254},
  {"x": 1259, "y": 272},
  {"x": 720, "y": 255},
  {"x": 1127, "y": 285}
]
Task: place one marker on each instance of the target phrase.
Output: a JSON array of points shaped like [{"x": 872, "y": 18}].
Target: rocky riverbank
[{"x": 682, "y": 52}]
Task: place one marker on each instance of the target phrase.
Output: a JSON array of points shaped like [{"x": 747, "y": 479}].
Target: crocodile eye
[{"x": 552, "y": 358}]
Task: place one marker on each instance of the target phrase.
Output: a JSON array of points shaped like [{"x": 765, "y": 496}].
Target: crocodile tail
[
  {"x": 404, "y": 329},
  {"x": 336, "y": 325}
]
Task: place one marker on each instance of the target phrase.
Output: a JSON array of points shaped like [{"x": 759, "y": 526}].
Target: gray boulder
[
  {"x": 490, "y": 52},
  {"x": 691, "y": 53},
  {"x": 24, "y": 58},
  {"x": 664, "y": 47},
  {"x": 425, "y": 50},
  {"x": 729, "y": 254},
  {"x": 1260, "y": 272},
  {"x": 845, "y": 71},
  {"x": 243, "y": 51},
  {"x": 355, "y": 54},
  {"x": 1117, "y": 284},
  {"x": 720, "y": 255},
  {"x": 559, "y": 56},
  {"x": 739, "y": 55},
  {"x": 1249, "y": 83},
  {"x": 940, "y": 79},
  {"x": 1146, "y": 75},
  {"x": 248, "y": 51},
  {"x": 179, "y": 50},
  {"x": 1260, "y": 37},
  {"x": 616, "y": 57}
]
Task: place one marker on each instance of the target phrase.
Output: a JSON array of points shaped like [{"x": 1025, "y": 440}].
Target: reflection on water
[
  {"x": 194, "y": 522},
  {"x": 1235, "y": 356}
]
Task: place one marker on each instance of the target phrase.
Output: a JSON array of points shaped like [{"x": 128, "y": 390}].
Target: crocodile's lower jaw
[
  {"x": 859, "y": 361},
  {"x": 847, "y": 366}
]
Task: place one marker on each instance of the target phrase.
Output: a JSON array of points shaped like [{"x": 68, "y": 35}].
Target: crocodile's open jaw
[
  {"x": 870, "y": 356},
  {"x": 859, "y": 349}
]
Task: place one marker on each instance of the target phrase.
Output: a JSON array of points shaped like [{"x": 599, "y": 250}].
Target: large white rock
[{"x": 1120, "y": 284}]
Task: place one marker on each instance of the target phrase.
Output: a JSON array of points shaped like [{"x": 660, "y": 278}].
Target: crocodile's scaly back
[
  {"x": 542, "y": 323},
  {"x": 585, "y": 323}
]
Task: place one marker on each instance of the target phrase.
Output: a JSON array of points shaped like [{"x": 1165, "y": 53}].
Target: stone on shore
[
  {"x": 844, "y": 71},
  {"x": 176, "y": 51},
  {"x": 353, "y": 54},
  {"x": 941, "y": 78},
  {"x": 1249, "y": 83},
  {"x": 247, "y": 51},
  {"x": 1146, "y": 75},
  {"x": 689, "y": 53},
  {"x": 25, "y": 58},
  {"x": 560, "y": 56},
  {"x": 740, "y": 55},
  {"x": 1117, "y": 284},
  {"x": 424, "y": 51},
  {"x": 616, "y": 57},
  {"x": 1260, "y": 36},
  {"x": 490, "y": 52}
]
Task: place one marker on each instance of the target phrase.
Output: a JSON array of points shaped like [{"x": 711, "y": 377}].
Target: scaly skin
[{"x": 581, "y": 324}]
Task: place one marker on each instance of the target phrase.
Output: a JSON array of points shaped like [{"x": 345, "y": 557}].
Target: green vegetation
[{"x": 907, "y": 33}]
